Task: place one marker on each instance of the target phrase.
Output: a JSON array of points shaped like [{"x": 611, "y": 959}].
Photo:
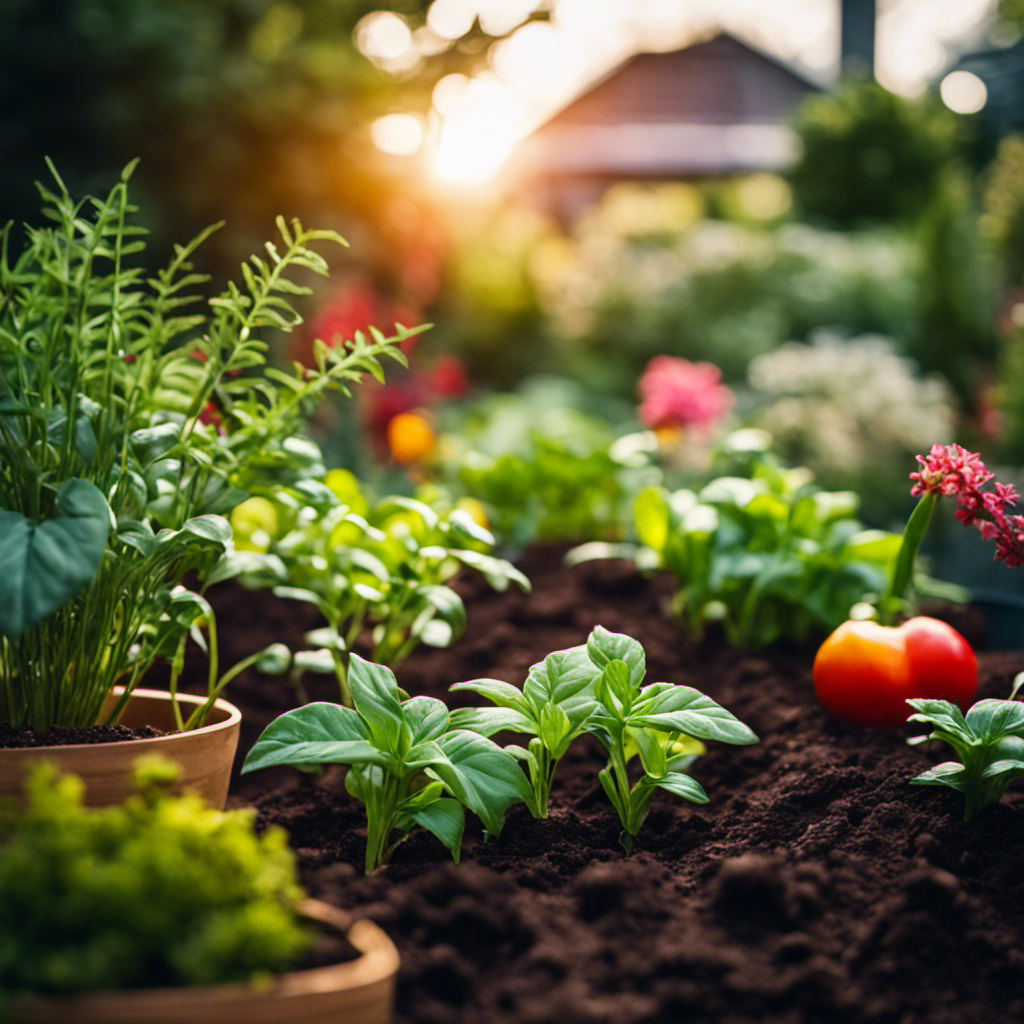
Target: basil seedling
[
  {"x": 989, "y": 740},
  {"x": 652, "y": 718},
  {"x": 403, "y": 756},
  {"x": 596, "y": 688},
  {"x": 553, "y": 707}
]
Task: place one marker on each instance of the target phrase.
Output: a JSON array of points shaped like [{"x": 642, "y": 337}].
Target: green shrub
[{"x": 158, "y": 891}]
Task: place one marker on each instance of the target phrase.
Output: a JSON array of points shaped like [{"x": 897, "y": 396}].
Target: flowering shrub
[{"x": 848, "y": 410}]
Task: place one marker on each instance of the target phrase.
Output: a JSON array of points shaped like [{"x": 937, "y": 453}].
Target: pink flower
[
  {"x": 676, "y": 392},
  {"x": 955, "y": 472}
]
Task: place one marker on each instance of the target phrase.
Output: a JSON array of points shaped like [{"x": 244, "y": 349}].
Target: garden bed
[{"x": 817, "y": 885}]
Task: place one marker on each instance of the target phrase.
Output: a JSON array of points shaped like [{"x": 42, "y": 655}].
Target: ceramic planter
[
  {"x": 205, "y": 755},
  {"x": 360, "y": 991}
]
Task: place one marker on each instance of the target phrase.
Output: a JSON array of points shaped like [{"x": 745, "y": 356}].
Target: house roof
[{"x": 716, "y": 106}]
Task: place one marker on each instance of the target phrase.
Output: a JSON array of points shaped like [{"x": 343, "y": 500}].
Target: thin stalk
[{"x": 903, "y": 568}]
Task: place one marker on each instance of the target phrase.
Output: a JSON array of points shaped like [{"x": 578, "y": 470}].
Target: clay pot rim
[
  {"x": 378, "y": 961},
  {"x": 233, "y": 718}
]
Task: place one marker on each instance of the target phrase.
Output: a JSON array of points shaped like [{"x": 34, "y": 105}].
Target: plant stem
[{"x": 903, "y": 568}]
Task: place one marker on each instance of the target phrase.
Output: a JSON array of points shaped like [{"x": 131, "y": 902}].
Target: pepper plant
[
  {"x": 134, "y": 415},
  {"x": 597, "y": 688},
  {"x": 380, "y": 565},
  {"x": 989, "y": 740},
  {"x": 403, "y": 756}
]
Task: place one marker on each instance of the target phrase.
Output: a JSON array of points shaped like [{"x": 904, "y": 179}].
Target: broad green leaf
[
  {"x": 943, "y": 715},
  {"x": 215, "y": 528},
  {"x": 137, "y": 534},
  {"x": 949, "y": 773},
  {"x": 997, "y": 768},
  {"x": 681, "y": 785},
  {"x": 425, "y": 717},
  {"x": 503, "y": 694},
  {"x": 375, "y": 696},
  {"x": 560, "y": 677},
  {"x": 488, "y": 721},
  {"x": 555, "y": 729},
  {"x": 604, "y": 646},
  {"x": 497, "y": 571},
  {"x": 446, "y": 820},
  {"x": 616, "y": 680},
  {"x": 319, "y": 733},
  {"x": 483, "y": 776},
  {"x": 992, "y": 719},
  {"x": 424, "y": 755},
  {"x": 44, "y": 565},
  {"x": 686, "y": 710},
  {"x": 154, "y": 443}
]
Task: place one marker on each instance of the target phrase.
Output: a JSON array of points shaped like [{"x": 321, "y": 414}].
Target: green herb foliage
[
  {"x": 768, "y": 554},
  {"x": 597, "y": 689},
  {"x": 158, "y": 891},
  {"x": 382, "y": 565},
  {"x": 403, "y": 757},
  {"x": 989, "y": 740},
  {"x": 131, "y": 420}
]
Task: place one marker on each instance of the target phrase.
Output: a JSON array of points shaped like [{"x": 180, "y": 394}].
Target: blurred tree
[{"x": 869, "y": 155}]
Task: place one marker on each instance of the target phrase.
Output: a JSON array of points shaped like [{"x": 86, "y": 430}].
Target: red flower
[{"x": 676, "y": 392}]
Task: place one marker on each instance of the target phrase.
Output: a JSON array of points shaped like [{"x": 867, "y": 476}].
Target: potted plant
[
  {"x": 130, "y": 426},
  {"x": 185, "y": 915}
]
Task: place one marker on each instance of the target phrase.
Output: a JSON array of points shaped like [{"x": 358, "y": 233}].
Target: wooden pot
[
  {"x": 205, "y": 755},
  {"x": 360, "y": 991}
]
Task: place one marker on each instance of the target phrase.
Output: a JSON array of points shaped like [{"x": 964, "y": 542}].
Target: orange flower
[{"x": 410, "y": 437}]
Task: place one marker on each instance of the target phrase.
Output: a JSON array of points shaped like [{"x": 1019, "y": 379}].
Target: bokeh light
[{"x": 963, "y": 92}]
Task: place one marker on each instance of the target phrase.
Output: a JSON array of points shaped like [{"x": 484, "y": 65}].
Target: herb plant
[
  {"x": 158, "y": 891},
  {"x": 597, "y": 689},
  {"x": 767, "y": 554},
  {"x": 989, "y": 740},
  {"x": 403, "y": 756},
  {"x": 381, "y": 565},
  {"x": 130, "y": 424}
]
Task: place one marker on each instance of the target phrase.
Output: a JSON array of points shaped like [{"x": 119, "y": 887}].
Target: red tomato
[{"x": 864, "y": 672}]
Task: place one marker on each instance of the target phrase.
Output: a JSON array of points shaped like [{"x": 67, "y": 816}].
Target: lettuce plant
[
  {"x": 989, "y": 740},
  {"x": 380, "y": 565},
  {"x": 597, "y": 688},
  {"x": 133, "y": 417},
  {"x": 767, "y": 554},
  {"x": 403, "y": 756}
]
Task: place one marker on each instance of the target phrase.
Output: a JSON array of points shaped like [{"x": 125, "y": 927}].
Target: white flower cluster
[{"x": 845, "y": 406}]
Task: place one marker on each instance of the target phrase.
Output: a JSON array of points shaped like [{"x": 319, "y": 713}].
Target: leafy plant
[
  {"x": 403, "y": 756},
  {"x": 157, "y": 891},
  {"x": 382, "y": 566},
  {"x": 989, "y": 740},
  {"x": 767, "y": 554},
  {"x": 129, "y": 426},
  {"x": 597, "y": 688}
]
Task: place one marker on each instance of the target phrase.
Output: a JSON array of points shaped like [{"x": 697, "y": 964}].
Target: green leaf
[
  {"x": 564, "y": 677},
  {"x": 154, "y": 443},
  {"x": 651, "y": 517},
  {"x": 215, "y": 528},
  {"x": 681, "y": 785},
  {"x": 482, "y": 775},
  {"x": 944, "y": 715},
  {"x": 446, "y": 820},
  {"x": 652, "y": 755},
  {"x": 687, "y": 710},
  {"x": 997, "y": 768},
  {"x": 615, "y": 680},
  {"x": 949, "y": 773},
  {"x": 426, "y": 718},
  {"x": 488, "y": 721},
  {"x": 503, "y": 694},
  {"x": 44, "y": 565},
  {"x": 319, "y": 733},
  {"x": 604, "y": 646},
  {"x": 555, "y": 729},
  {"x": 375, "y": 696},
  {"x": 497, "y": 571},
  {"x": 992, "y": 719}
]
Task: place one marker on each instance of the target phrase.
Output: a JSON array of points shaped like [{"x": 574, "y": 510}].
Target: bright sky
[{"x": 541, "y": 65}]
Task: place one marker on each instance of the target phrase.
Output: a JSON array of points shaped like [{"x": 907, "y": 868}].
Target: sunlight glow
[
  {"x": 451, "y": 19},
  {"x": 383, "y": 34},
  {"x": 398, "y": 134}
]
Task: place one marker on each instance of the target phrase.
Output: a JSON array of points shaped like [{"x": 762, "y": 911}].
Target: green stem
[{"x": 903, "y": 568}]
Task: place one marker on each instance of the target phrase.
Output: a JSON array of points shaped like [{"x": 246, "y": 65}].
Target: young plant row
[{"x": 412, "y": 763}]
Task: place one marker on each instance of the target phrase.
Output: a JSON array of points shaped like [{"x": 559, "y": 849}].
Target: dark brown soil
[
  {"x": 817, "y": 885},
  {"x": 64, "y": 736}
]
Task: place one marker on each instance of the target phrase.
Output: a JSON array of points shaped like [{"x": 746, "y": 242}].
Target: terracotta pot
[
  {"x": 361, "y": 991},
  {"x": 205, "y": 755}
]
